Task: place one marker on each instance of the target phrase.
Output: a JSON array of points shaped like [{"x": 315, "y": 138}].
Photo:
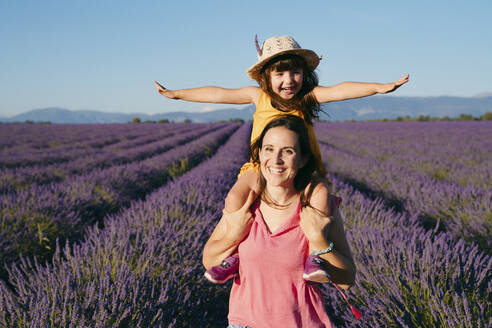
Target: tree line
[
  {"x": 421, "y": 118},
  {"x": 427, "y": 118}
]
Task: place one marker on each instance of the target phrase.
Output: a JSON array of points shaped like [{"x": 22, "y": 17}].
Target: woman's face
[
  {"x": 280, "y": 157},
  {"x": 286, "y": 83}
]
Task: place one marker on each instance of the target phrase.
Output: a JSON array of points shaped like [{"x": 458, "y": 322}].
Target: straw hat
[{"x": 277, "y": 46}]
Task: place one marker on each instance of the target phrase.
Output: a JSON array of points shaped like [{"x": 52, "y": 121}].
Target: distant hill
[
  {"x": 378, "y": 107},
  {"x": 63, "y": 116},
  {"x": 369, "y": 108}
]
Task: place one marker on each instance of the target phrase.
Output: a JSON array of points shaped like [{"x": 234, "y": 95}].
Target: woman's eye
[{"x": 289, "y": 151}]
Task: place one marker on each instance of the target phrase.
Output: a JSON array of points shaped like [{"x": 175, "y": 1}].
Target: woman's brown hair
[{"x": 304, "y": 100}]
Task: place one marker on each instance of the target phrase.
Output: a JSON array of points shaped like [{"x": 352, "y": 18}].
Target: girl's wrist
[
  {"x": 385, "y": 88},
  {"x": 174, "y": 94},
  {"x": 381, "y": 88}
]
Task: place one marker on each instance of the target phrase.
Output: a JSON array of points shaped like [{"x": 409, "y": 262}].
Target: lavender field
[{"x": 103, "y": 225}]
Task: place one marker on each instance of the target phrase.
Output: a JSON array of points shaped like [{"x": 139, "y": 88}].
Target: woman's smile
[
  {"x": 275, "y": 170},
  {"x": 280, "y": 156}
]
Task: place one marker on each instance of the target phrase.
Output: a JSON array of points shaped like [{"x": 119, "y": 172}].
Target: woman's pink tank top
[{"x": 270, "y": 290}]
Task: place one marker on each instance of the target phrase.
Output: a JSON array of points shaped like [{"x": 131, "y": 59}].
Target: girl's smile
[{"x": 286, "y": 83}]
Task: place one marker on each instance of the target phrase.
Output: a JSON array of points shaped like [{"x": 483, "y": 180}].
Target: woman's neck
[{"x": 281, "y": 195}]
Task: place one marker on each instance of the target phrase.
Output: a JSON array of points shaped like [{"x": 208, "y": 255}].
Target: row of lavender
[
  {"x": 25, "y": 144},
  {"x": 410, "y": 276},
  {"x": 446, "y": 151},
  {"x": 78, "y": 161},
  {"x": 33, "y": 218},
  {"x": 144, "y": 269},
  {"x": 394, "y": 172}
]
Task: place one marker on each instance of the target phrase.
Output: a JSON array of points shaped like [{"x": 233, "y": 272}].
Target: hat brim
[{"x": 311, "y": 58}]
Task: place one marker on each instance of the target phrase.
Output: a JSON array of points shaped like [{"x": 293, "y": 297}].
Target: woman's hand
[
  {"x": 228, "y": 233},
  {"x": 315, "y": 226},
  {"x": 165, "y": 92},
  {"x": 390, "y": 87},
  {"x": 239, "y": 222}
]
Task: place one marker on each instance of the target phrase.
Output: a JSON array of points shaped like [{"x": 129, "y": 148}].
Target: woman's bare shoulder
[{"x": 320, "y": 196}]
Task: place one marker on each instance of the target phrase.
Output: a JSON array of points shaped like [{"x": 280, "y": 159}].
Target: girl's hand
[
  {"x": 239, "y": 222},
  {"x": 314, "y": 224},
  {"x": 165, "y": 92},
  {"x": 390, "y": 87}
]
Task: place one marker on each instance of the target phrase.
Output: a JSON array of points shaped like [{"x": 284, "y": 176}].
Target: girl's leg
[
  {"x": 238, "y": 194},
  {"x": 235, "y": 199}
]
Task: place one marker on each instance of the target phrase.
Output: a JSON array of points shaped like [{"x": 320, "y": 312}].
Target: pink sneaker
[
  {"x": 314, "y": 269},
  {"x": 228, "y": 269}
]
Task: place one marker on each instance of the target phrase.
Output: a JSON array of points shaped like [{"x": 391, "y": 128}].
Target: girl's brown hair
[
  {"x": 308, "y": 175},
  {"x": 304, "y": 100}
]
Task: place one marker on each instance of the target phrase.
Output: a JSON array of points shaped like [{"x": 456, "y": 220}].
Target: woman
[{"x": 274, "y": 235}]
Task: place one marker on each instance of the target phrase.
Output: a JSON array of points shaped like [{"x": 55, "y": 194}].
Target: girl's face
[
  {"x": 287, "y": 83},
  {"x": 280, "y": 157}
]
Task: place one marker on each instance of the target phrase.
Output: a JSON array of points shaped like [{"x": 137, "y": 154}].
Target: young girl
[{"x": 288, "y": 84}]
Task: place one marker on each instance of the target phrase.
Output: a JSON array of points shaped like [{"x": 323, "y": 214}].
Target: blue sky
[{"x": 104, "y": 55}]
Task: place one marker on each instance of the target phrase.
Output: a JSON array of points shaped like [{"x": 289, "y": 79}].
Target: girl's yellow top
[{"x": 265, "y": 113}]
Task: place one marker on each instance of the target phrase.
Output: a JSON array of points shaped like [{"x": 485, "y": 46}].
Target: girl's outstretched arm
[
  {"x": 350, "y": 90},
  {"x": 211, "y": 94}
]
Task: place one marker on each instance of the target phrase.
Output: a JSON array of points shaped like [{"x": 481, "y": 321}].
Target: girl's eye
[
  {"x": 289, "y": 151},
  {"x": 268, "y": 148}
]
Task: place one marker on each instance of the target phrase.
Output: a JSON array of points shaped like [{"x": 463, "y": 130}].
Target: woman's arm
[
  {"x": 341, "y": 265},
  {"x": 320, "y": 229},
  {"x": 212, "y": 94},
  {"x": 351, "y": 90},
  {"x": 229, "y": 232}
]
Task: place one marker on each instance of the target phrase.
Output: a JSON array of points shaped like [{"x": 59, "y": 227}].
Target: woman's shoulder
[{"x": 321, "y": 196}]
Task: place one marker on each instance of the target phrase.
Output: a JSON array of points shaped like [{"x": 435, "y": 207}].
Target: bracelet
[{"x": 324, "y": 251}]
